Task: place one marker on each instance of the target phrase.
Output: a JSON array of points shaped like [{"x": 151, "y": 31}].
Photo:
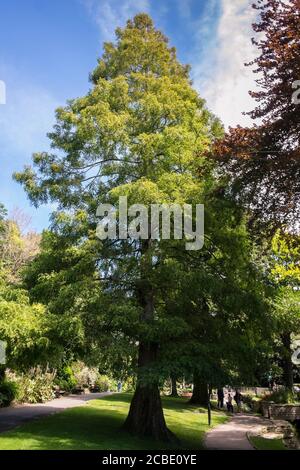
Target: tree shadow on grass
[{"x": 95, "y": 426}]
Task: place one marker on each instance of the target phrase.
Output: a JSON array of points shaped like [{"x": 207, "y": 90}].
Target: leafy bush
[
  {"x": 8, "y": 392},
  {"x": 251, "y": 402},
  {"x": 282, "y": 396},
  {"x": 105, "y": 384},
  {"x": 128, "y": 385},
  {"x": 35, "y": 387},
  {"x": 65, "y": 379},
  {"x": 84, "y": 376}
]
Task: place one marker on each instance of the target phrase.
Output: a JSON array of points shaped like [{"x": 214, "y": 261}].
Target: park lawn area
[
  {"x": 97, "y": 424},
  {"x": 262, "y": 443}
]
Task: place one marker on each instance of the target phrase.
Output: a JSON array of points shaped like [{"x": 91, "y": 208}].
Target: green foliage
[
  {"x": 128, "y": 385},
  {"x": 33, "y": 335},
  {"x": 84, "y": 376},
  {"x": 283, "y": 395},
  {"x": 286, "y": 309},
  {"x": 286, "y": 262},
  {"x": 35, "y": 386},
  {"x": 284, "y": 274},
  {"x": 30, "y": 332},
  {"x": 262, "y": 443},
  {"x": 144, "y": 132},
  {"x": 65, "y": 378},
  {"x": 3, "y": 213},
  {"x": 105, "y": 384},
  {"x": 9, "y": 391},
  {"x": 23, "y": 327}
]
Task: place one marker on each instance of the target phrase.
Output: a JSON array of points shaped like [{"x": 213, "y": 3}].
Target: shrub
[
  {"x": 8, "y": 392},
  {"x": 128, "y": 385},
  {"x": 35, "y": 387},
  {"x": 103, "y": 383},
  {"x": 65, "y": 379},
  {"x": 282, "y": 396},
  {"x": 84, "y": 376}
]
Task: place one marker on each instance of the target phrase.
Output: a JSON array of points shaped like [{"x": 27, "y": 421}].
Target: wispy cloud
[
  {"x": 221, "y": 76},
  {"x": 184, "y": 8},
  {"x": 108, "y": 14},
  {"x": 25, "y": 120},
  {"x": 27, "y": 116}
]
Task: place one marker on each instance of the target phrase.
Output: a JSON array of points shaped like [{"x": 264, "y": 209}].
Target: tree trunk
[
  {"x": 146, "y": 417},
  {"x": 287, "y": 361},
  {"x": 173, "y": 386},
  {"x": 200, "y": 395}
]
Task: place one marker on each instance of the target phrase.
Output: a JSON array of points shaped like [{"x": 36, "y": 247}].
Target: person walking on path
[
  {"x": 238, "y": 399},
  {"x": 229, "y": 403},
  {"x": 220, "y": 398}
]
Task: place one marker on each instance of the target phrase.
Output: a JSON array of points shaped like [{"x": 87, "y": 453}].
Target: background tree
[
  {"x": 285, "y": 274},
  {"x": 17, "y": 247},
  {"x": 262, "y": 161},
  {"x": 33, "y": 335},
  {"x": 95, "y": 326},
  {"x": 220, "y": 296}
]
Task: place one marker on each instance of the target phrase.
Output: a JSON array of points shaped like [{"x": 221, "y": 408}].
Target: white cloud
[
  {"x": 221, "y": 77},
  {"x": 25, "y": 119},
  {"x": 109, "y": 14}
]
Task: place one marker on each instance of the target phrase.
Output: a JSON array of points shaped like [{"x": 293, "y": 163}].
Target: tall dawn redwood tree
[{"x": 141, "y": 131}]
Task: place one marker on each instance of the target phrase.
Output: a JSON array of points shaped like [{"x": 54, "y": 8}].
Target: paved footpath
[
  {"x": 15, "y": 415},
  {"x": 233, "y": 434}
]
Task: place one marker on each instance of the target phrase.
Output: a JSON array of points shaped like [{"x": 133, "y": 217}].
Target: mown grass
[
  {"x": 97, "y": 425},
  {"x": 262, "y": 443}
]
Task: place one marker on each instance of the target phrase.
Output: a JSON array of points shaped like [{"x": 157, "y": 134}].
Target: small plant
[{"x": 8, "y": 392}]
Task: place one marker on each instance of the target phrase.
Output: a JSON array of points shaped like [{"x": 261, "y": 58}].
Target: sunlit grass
[
  {"x": 262, "y": 443},
  {"x": 97, "y": 426}
]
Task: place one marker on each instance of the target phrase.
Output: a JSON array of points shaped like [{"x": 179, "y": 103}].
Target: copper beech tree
[{"x": 263, "y": 161}]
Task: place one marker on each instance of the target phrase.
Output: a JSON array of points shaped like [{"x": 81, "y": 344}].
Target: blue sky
[{"x": 48, "y": 48}]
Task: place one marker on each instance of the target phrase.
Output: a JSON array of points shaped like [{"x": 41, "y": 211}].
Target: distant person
[
  {"x": 220, "y": 398},
  {"x": 238, "y": 399},
  {"x": 119, "y": 387},
  {"x": 229, "y": 403}
]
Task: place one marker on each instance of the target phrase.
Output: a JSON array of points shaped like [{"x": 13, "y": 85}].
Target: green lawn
[
  {"x": 96, "y": 425},
  {"x": 261, "y": 443}
]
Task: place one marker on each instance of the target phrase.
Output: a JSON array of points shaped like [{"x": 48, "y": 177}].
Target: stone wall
[{"x": 286, "y": 412}]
